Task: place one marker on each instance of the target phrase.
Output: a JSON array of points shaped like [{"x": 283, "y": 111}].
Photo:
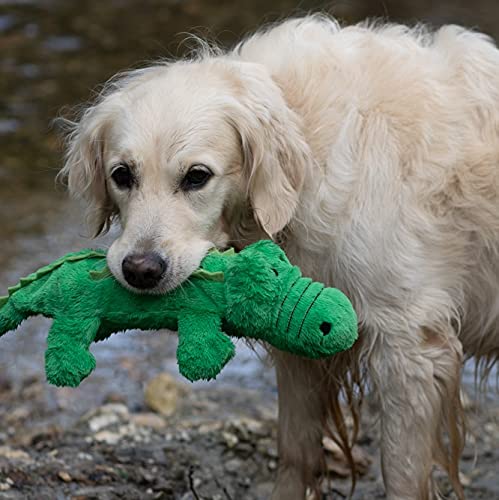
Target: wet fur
[{"x": 372, "y": 153}]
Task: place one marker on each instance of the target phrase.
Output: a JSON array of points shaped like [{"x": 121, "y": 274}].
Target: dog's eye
[
  {"x": 123, "y": 176},
  {"x": 196, "y": 178}
]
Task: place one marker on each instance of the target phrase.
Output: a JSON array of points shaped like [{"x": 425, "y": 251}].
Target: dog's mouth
[{"x": 159, "y": 278}]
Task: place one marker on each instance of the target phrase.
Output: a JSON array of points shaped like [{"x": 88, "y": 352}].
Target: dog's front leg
[
  {"x": 417, "y": 382},
  {"x": 300, "y": 426}
]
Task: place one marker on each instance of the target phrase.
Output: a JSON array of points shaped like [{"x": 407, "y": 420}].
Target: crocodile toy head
[{"x": 289, "y": 311}]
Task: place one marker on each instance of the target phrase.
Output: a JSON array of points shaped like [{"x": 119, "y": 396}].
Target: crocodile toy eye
[{"x": 325, "y": 327}]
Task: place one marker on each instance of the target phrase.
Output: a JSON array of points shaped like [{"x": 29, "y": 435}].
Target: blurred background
[{"x": 53, "y": 56}]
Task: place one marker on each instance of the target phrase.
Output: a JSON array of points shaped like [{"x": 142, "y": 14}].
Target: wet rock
[
  {"x": 14, "y": 454},
  {"x": 151, "y": 420},
  {"x": 5, "y": 384},
  {"x": 64, "y": 476},
  {"x": 33, "y": 389},
  {"x": 102, "y": 418},
  {"x": 267, "y": 447},
  {"x": 162, "y": 394},
  {"x": 38, "y": 437},
  {"x": 230, "y": 439},
  {"x": 108, "y": 437},
  {"x": 17, "y": 415},
  {"x": 108, "y": 409},
  {"x": 272, "y": 464},
  {"x": 233, "y": 465},
  {"x": 102, "y": 421},
  {"x": 246, "y": 428},
  {"x": 5, "y": 486},
  {"x": 465, "y": 480},
  {"x": 210, "y": 427},
  {"x": 263, "y": 490}
]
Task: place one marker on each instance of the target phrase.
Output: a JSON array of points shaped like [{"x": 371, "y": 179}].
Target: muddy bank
[{"x": 186, "y": 444}]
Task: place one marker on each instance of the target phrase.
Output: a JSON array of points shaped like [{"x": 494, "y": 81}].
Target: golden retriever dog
[{"x": 371, "y": 153}]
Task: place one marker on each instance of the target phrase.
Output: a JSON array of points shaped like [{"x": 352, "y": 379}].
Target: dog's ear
[
  {"x": 276, "y": 155},
  {"x": 84, "y": 169}
]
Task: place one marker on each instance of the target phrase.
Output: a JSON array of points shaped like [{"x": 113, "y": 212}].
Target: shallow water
[{"x": 52, "y": 54}]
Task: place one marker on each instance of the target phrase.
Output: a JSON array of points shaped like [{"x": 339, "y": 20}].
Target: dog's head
[{"x": 184, "y": 155}]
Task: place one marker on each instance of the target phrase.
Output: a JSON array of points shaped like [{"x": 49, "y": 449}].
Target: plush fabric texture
[{"x": 256, "y": 294}]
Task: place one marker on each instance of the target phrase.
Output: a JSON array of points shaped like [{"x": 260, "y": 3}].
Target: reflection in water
[{"x": 53, "y": 53}]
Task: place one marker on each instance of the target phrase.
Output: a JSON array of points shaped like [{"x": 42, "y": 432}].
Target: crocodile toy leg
[
  {"x": 10, "y": 318},
  {"x": 203, "y": 349},
  {"x": 67, "y": 359}
]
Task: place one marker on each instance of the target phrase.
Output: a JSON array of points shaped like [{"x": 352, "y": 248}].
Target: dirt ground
[{"x": 178, "y": 446}]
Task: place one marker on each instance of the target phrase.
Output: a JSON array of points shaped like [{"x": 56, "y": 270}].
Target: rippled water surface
[{"x": 53, "y": 54}]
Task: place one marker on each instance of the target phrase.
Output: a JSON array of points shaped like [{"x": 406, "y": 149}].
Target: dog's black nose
[{"x": 143, "y": 270}]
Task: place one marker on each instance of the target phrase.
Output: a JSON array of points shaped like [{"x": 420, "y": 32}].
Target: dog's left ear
[{"x": 276, "y": 155}]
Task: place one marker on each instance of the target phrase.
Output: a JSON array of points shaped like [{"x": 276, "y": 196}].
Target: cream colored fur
[{"x": 372, "y": 154}]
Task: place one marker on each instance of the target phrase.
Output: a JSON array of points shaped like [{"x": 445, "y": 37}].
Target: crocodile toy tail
[{"x": 10, "y": 318}]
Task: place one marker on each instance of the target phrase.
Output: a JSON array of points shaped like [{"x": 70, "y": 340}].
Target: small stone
[
  {"x": 101, "y": 421},
  {"x": 210, "y": 427},
  {"x": 107, "y": 437},
  {"x": 267, "y": 447},
  {"x": 244, "y": 448},
  {"x": 263, "y": 490},
  {"x": 184, "y": 436},
  {"x": 4, "y": 486},
  {"x": 230, "y": 439},
  {"x": 15, "y": 455},
  {"x": 255, "y": 427},
  {"x": 108, "y": 409},
  {"x": 64, "y": 476},
  {"x": 151, "y": 420},
  {"x": 233, "y": 465},
  {"x": 162, "y": 394},
  {"x": 465, "y": 480},
  {"x": 17, "y": 415}
]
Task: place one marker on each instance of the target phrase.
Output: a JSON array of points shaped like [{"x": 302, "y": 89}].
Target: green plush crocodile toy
[{"x": 255, "y": 294}]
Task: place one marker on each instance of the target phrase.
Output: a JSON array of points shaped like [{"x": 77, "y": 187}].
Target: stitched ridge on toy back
[
  {"x": 202, "y": 274},
  {"x": 213, "y": 275},
  {"x": 43, "y": 271},
  {"x": 104, "y": 273}
]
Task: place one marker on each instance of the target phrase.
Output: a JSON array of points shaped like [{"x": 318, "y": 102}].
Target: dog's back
[{"x": 402, "y": 212}]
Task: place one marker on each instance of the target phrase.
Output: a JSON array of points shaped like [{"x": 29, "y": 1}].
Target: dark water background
[{"x": 53, "y": 54}]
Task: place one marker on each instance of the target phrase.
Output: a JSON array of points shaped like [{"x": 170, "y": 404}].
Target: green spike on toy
[{"x": 255, "y": 294}]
